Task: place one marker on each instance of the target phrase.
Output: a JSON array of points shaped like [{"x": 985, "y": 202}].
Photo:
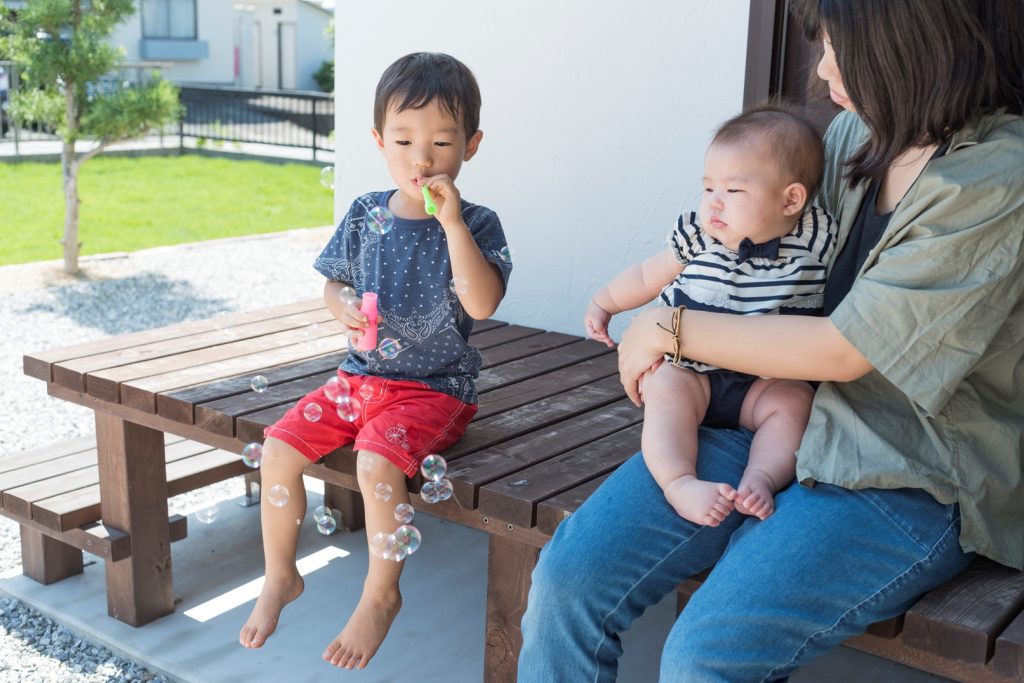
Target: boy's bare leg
[
  {"x": 379, "y": 604},
  {"x": 282, "y": 465},
  {"x": 675, "y": 400},
  {"x": 777, "y": 411}
]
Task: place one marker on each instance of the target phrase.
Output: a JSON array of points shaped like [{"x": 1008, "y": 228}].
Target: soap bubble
[
  {"x": 519, "y": 482},
  {"x": 434, "y": 467},
  {"x": 377, "y": 544},
  {"x": 380, "y": 220},
  {"x": 312, "y": 411},
  {"x": 429, "y": 492},
  {"x": 444, "y": 489},
  {"x": 336, "y": 387},
  {"x": 252, "y": 454},
  {"x": 364, "y": 463},
  {"x": 207, "y": 515},
  {"x": 327, "y": 177},
  {"x": 348, "y": 408},
  {"x": 327, "y": 526},
  {"x": 404, "y": 513},
  {"x": 259, "y": 384},
  {"x": 505, "y": 254},
  {"x": 407, "y": 539},
  {"x": 459, "y": 285},
  {"x": 278, "y": 496},
  {"x": 321, "y": 511},
  {"x": 389, "y": 348},
  {"x": 347, "y": 295},
  {"x": 382, "y": 491}
]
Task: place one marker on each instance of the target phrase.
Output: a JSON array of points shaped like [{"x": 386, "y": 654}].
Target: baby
[{"x": 756, "y": 247}]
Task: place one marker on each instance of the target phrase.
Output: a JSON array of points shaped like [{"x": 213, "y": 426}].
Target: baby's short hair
[
  {"x": 787, "y": 136},
  {"x": 417, "y": 79}
]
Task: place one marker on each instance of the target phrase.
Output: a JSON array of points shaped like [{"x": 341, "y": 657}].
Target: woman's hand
[{"x": 643, "y": 344}]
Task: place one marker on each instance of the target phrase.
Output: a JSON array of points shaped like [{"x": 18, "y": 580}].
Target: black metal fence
[
  {"x": 249, "y": 115},
  {"x": 212, "y": 115}
]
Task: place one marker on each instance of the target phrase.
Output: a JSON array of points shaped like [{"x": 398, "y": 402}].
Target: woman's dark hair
[
  {"x": 919, "y": 70},
  {"x": 417, "y": 79}
]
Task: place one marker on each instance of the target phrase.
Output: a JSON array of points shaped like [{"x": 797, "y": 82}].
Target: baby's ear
[{"x": 794, "y": 199}]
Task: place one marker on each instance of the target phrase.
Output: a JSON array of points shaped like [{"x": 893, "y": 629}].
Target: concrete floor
[{"x": 439, "y": 635}]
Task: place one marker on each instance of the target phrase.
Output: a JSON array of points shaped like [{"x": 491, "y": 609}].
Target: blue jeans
[{"x": 828, "y": 563}]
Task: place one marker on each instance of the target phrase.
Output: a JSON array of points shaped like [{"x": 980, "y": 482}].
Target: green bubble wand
[{"x": 428, "y": 201}]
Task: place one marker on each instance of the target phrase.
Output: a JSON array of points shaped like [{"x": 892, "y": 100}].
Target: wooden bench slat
[
  {"x": 19, "y": 500},
  {"x": 170, "y": 372},
  {"x": 523, "y": 348},
  {"x": 468, "y": 474},
  {"x": 555, "y": 510},
  {"x": 501, "y": 335},
  {"x": 71, "y": 374},
  {"x": 141, "y": 394},
  {"x": 13, "y": 461},
  {"x": 218, "y": 417},
  {"x": 962, "y": 619},
  {"x": 532, "y": 366},
  {"x": 515, "y": 498},
  {"x": 180, "y": 404},
  {"x": 39, "y": 364},
  {"x": 1008, "y": 659}
]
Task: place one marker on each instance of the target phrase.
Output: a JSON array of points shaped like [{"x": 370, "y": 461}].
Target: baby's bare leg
[
  {"x": 777, "y": 411},
  {"x": 675, "y": 401},
  {"x": 379, "y": 604},
  {"x": 282, "y": 465}
]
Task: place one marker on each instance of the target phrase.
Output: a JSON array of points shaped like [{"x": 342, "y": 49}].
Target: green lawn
[{"x": 135, "y": 203}]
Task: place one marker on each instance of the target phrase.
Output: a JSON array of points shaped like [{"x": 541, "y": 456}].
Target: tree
[{"x": 62, "y": 47}]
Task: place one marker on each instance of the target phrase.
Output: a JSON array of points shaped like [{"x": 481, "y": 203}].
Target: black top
[{"x": 867, "y": 229}]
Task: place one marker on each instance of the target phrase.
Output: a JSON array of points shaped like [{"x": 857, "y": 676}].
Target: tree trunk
[{"x": 69, "y": 170}]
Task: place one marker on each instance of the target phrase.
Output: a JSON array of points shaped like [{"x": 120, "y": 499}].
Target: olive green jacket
[{"x": 938, "y": 310}]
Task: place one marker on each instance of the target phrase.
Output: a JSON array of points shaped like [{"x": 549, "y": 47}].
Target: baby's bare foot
[
  {"x": 365, "y": 630},
  {"x": 263, "y": 620},
  {"x": 755, "y": 495},
  {"x": 702, "y": 502}
]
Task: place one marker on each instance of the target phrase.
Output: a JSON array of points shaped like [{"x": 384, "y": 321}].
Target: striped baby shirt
[{"x": 785, "y": 275}]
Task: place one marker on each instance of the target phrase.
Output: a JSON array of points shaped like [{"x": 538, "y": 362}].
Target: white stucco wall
[
  {"x": 314, "y": 48},
  {"x": 595, "y": 120}
]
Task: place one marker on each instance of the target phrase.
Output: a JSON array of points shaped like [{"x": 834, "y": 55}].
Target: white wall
[
  {"x": 314, "y": 48},
  {"x": 595, "y": 120}
]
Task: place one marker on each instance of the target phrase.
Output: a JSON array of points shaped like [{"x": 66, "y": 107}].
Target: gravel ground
[{"x": 41, "y": 308}]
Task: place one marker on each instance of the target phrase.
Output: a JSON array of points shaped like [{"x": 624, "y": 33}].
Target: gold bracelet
[{"x": 676, "y": 332}]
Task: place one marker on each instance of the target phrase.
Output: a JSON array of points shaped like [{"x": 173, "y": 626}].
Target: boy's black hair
[
  {"x": 786, "y": 137},
  {"x": 417, "y": 79},
  {"x": 919, "y": 70}
]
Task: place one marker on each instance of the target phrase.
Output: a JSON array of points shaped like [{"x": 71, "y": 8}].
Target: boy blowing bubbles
[{"x": 420, "y": 399}]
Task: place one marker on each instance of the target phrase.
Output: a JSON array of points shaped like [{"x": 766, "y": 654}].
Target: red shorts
[{"x": 401, "y": 420}]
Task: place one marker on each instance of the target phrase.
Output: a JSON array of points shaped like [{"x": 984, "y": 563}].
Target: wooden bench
[
  {"x": 553, "y": 423},
  {"x": 53, "y": 493}
]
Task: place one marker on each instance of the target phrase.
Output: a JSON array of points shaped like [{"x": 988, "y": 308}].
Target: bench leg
[
  {"x": 509, "y": 566},
  {"x": 133, "y": 499},
  {"x": 46, "y": 559},
  {"x": 252, "y": 489},
  {"x": 349, "y": 503}
]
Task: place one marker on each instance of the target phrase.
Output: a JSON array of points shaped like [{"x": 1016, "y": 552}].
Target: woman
[{"x": 911, "y": 463}]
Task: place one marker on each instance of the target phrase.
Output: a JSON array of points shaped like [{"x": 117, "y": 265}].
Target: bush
[{"x": 324, "y": 76}]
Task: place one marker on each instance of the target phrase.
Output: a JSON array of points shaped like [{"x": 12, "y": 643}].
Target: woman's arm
[{"x": 782, "y": 346}]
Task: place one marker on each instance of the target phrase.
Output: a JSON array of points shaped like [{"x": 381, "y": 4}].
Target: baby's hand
[
  {"x": 446, "y": 197},
  {"x": 595, "y": 321}
]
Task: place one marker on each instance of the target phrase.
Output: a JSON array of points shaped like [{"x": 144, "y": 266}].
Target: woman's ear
[{"x": 794, "y": 199}]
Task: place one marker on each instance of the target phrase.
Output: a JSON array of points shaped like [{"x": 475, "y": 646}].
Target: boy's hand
[
  {"x": 446, "y": 197},
  {"x": 595, "y": 321},
  {"x": 352, "y": 318}
]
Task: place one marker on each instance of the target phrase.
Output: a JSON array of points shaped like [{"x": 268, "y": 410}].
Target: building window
[{"x": 174, "y": 19}]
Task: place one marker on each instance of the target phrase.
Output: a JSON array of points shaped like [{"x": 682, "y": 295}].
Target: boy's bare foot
[
  {"x": 755, "y": 495},
  {"x": 263, "y": 620},
  {"x": 365, "y": 630},
  {"x": 702, "y": 502}
]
